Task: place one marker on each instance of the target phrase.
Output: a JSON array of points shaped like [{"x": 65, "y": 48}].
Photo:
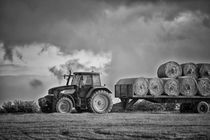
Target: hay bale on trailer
[
  {"x": 188, "y": 86},
  {"x": 204, "y": 69},
  {"x": 190, "y": 69},
  {"x": 140, "y": 86},
  {"x": 170, "y": 69},
  {"x": 171, "y": 86},
  {"x": 204, "y": 87},
  {"x": 131, "y": 87},
  {"x": 156, "y": 86}
]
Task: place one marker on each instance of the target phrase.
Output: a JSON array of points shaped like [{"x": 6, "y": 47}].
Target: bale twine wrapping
[
  {"x": 140, "y": 86},
  {"x": 170, "y": 69},
  {"x": 190, "y": 69},
  {"x": 204, "y": 86},
  {"x": 188, "y": 86},
  {"x": 156, "y": 86},
  {"x": 204, "y": 70},
  {"x": 171, "y": 87}
]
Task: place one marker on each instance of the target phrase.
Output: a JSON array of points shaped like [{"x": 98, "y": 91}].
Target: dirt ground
[{"x": 127, "y": 125}]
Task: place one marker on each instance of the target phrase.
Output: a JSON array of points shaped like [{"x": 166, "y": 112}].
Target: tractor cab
[
  {"x": 86, "y": 78},
  {"x": 83, "y": 91},
  {"x": 85, "y": 81}
]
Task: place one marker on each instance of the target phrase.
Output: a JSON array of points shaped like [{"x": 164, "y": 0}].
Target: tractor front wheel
[
  {"x": 64, "y": 105},
  {"x": 100, "y": 102}
]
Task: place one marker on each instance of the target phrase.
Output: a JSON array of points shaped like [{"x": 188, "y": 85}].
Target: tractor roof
[{"x": 89, "y": 73}]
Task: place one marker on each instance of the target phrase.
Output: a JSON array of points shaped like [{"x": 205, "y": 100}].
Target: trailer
[{"x": 124, "y": 89}]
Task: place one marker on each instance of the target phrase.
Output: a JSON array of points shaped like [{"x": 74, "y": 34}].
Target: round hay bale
[
  {"x": 190, "y": 69},
  {"x": 171, "y": 87},
  {"x": 156, "y": 86},
  {"x": 204, "y": 70},
  {"x": 204, "y": 86},
  {"x": 140, "y": 86},
  {"x": 188, "y": 86},
  {"x": 170, "y": 69}
]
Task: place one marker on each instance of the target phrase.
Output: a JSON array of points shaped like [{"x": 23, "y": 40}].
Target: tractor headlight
[{"x": 68, "y": 91}]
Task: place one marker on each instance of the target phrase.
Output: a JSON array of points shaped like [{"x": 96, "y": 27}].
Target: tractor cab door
[{"x": 86, "y": 83}]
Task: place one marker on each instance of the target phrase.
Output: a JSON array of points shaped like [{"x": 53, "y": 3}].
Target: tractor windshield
[{"x": 75, "y": 80}]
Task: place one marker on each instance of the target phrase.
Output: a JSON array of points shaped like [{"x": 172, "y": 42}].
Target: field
[{"x": 126, "y": 125}]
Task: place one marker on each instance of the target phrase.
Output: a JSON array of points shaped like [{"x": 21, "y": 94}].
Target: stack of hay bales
[
  {"x": 169, "y": 72},
  {"x": 188, "y": 79}
]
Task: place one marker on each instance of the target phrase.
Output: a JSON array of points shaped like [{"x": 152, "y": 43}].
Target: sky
[{"x": 120, "y": 38}]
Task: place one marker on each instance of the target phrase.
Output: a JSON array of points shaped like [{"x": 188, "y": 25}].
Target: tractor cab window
[
  {"x": 86, "y": 80},
  {"x": 75, "y": 80},
  {"x": 96, "y": 80}
]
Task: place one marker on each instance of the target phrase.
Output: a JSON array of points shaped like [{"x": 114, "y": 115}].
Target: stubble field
[{"x": 126, "y": 125}]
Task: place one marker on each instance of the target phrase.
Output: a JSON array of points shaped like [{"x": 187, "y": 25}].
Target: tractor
[{"x": 85, "y": 93}]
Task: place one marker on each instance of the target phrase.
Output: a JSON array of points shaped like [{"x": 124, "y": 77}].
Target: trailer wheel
[
  {"x": 100, "y": 102},
  {"x": 202, "y": 107},
  {"x": 64, "y": 105}
]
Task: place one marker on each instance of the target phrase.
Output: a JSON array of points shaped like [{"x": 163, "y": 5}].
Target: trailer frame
[{"x": 190, "y": 102}]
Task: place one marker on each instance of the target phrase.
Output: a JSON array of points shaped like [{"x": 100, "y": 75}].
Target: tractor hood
[{"x": 61, "y": 88}]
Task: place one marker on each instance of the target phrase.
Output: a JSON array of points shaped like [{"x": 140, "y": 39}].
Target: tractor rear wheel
[
  {"x": 100, "y": 102},
  {"x": 64, "y": 105}
]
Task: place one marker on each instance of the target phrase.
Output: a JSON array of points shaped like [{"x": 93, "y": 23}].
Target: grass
[
  {"x": 19, "y": 106},
  {"x": 130, "y": 125}
]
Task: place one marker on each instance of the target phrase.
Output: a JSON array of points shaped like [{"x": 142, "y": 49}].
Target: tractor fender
[
  {"x": 97, "y": 88},
  {"x": 68, "y": 96}
]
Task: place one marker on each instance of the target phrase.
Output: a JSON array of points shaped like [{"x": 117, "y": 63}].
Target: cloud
[
  {"x": 139, "y": 34},
  {"x": 35, "y": 83},
  {"x": 49, "y": 21},
  {"x": 124, "y": 38},
  {"x": 73, "y": 22},
  {"x": 37, "y": 58},
  {"x": 83, "y": 61},
  {"x": 134, "y": 29}
]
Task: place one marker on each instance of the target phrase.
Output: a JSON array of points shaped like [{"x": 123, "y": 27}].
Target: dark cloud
[
  {"x": 24, "y": 22},
  {"x": 35, "y": 83},
  {"x": 57, "y": 72},
  {"x": 52, "y": 21},
  {"x": 19, "y": 55},
  {"x": 8, "y": 52}
]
